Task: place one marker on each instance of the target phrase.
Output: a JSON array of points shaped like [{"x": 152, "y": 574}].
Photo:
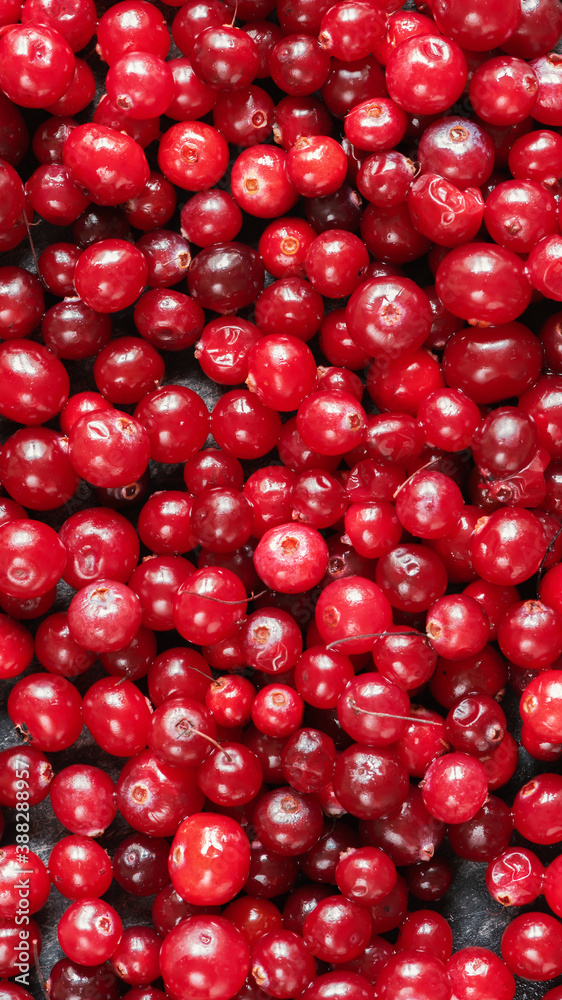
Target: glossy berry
[
  {"x": 455, "y": 788},
  {"x": 505, "y": 530},
  {"x": 515, "y": 877},
  {"x": 10, "y": 874},
  {"x": 426, "y": 74},
  {"x": 132, "y": 26},
  {"x": 37, "y": 65},
  {"x": 457, "y": 626},
  {"x": 205, "y": 881},
  {"x": 33, "y": 558},
  {"x": 476, "y": 725},
  {"x": 192, "y": 155},
  {"x": 140, "y": 84},
  {"x": 144, "y": 781},
  {"x": 429, "y": 505},
  {"x": 231, "y": 776},
  {"x": 281, "y": 963},
  {"x": 96, "y": 272},
  {"x": 196, "y": 618},
  {"x": 281, "y": 371},
  {"x": 109, "y": 449},
  {"x": 135, "y": 960},
  {"x": 89, "y": 931},
  {"x": 38, "y": 395},
  {"x": 175, "y": 420},
  {"x": 365, "y": 875},
  {"x": 502, "y": 268},
  {"x": 260, "y": 183},
  {"x": 117, "y": 715},
  {"x": 192, "y": 953},
  {"x": 337, "y": 929},
  {"x": 291, "y": 558},
  {"x": 225, "y": 58},
  {"x": 83, "y": 799},
  {"x": 478, "y": 971},
  {"x": 530, "y": 946},
  {"x": 412, "y": 577},
  {"x": 79, "y": 867},
  {"x": 96, "y": 155},
  {"x": 320, "y": 263},
  {"x": 470, "y": 350},
  {"x": 168, "y": 319}
]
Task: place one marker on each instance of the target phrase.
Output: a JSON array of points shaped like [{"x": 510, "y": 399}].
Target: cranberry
[
  {"x": 37, "y": 65},
  {"x": 104, "y": 616},
  {"x": 192, "y": 954},
  {"x": 337, "y": 929},
  {"x": 56, "y": 265},
  {"x": 475, "y": 361},
  {"x": 95, "y": 157},
  {"x": 14, "y": 135},
  {"x": 484, "y": 836},
  {"x": 73, "y": 331},
  {"x": 225, "y": 277},
  {"x": 457, "y": 149},
  {"x": 368, "y": 782},
  {"x": 95, "y": 279},
  {"x": 414, "y": 971},
  {"x": 535, "y": 809},
  {"x": 475, "y": 28},
  {"x": 83, "y": 799},
  {"x": 89, "y": 931},
  {"x": 365, "y": 875},
  {"x": 260, "y": 182},
  {"x": 135, "y": 960},
  {"x": 426, "y": 74},
  {"x": 99, "y": 543},
  {"x": 67, "y": 976},
  {"x": 80, "y": 868},
  {"x": 117, "y": 715},
  {"x": 429, "y": 880},
  {"x": 10, "y": 868},
  {"x": 426, "y": 930},
  {"x": 461, "y": 295},
  {"x": 515, "y": 877},
  {"x": 344, "y": 983},
  {"x": 530, "y": 946},
  {"x": 36, "y": 769},
  {"x": 225, "y": 58},
  {"x": 320, "y": 263},
  {"x": 141, "y": 84},
  {"x": 132, "y": 26},
  {"x": 193, "y": 877},
  {"x": 281, "y": 964},
  {"x": 195, "y": 612},
  {"x": 478, "y": 972},
  {"x": 33, "y": 558},
  {"x": 539, "y": 705},
  {"x": 455, "y": 787},
  {"x": 442, "y": 212},
  {"x": 146, "y": 781},
  {"x": 35, "y": 383},
  {"x": 109, "y": 449},
  {"x": 167, "y": 319}
]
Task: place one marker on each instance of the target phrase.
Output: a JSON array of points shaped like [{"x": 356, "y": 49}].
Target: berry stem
[
  {"x": 374, "y": 635},
  {"x": 185, "y": 726},
  {"x": 388, "y": 715}
]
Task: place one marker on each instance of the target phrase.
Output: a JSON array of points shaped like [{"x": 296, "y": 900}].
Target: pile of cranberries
[{"x": 281, "y": 509}]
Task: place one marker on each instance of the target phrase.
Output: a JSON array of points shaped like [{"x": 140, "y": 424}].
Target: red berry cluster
[{"x": 365, "y": 552}]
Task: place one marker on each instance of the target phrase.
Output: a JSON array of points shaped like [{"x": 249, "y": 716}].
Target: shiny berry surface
[{"x": 281, "y": 475}]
